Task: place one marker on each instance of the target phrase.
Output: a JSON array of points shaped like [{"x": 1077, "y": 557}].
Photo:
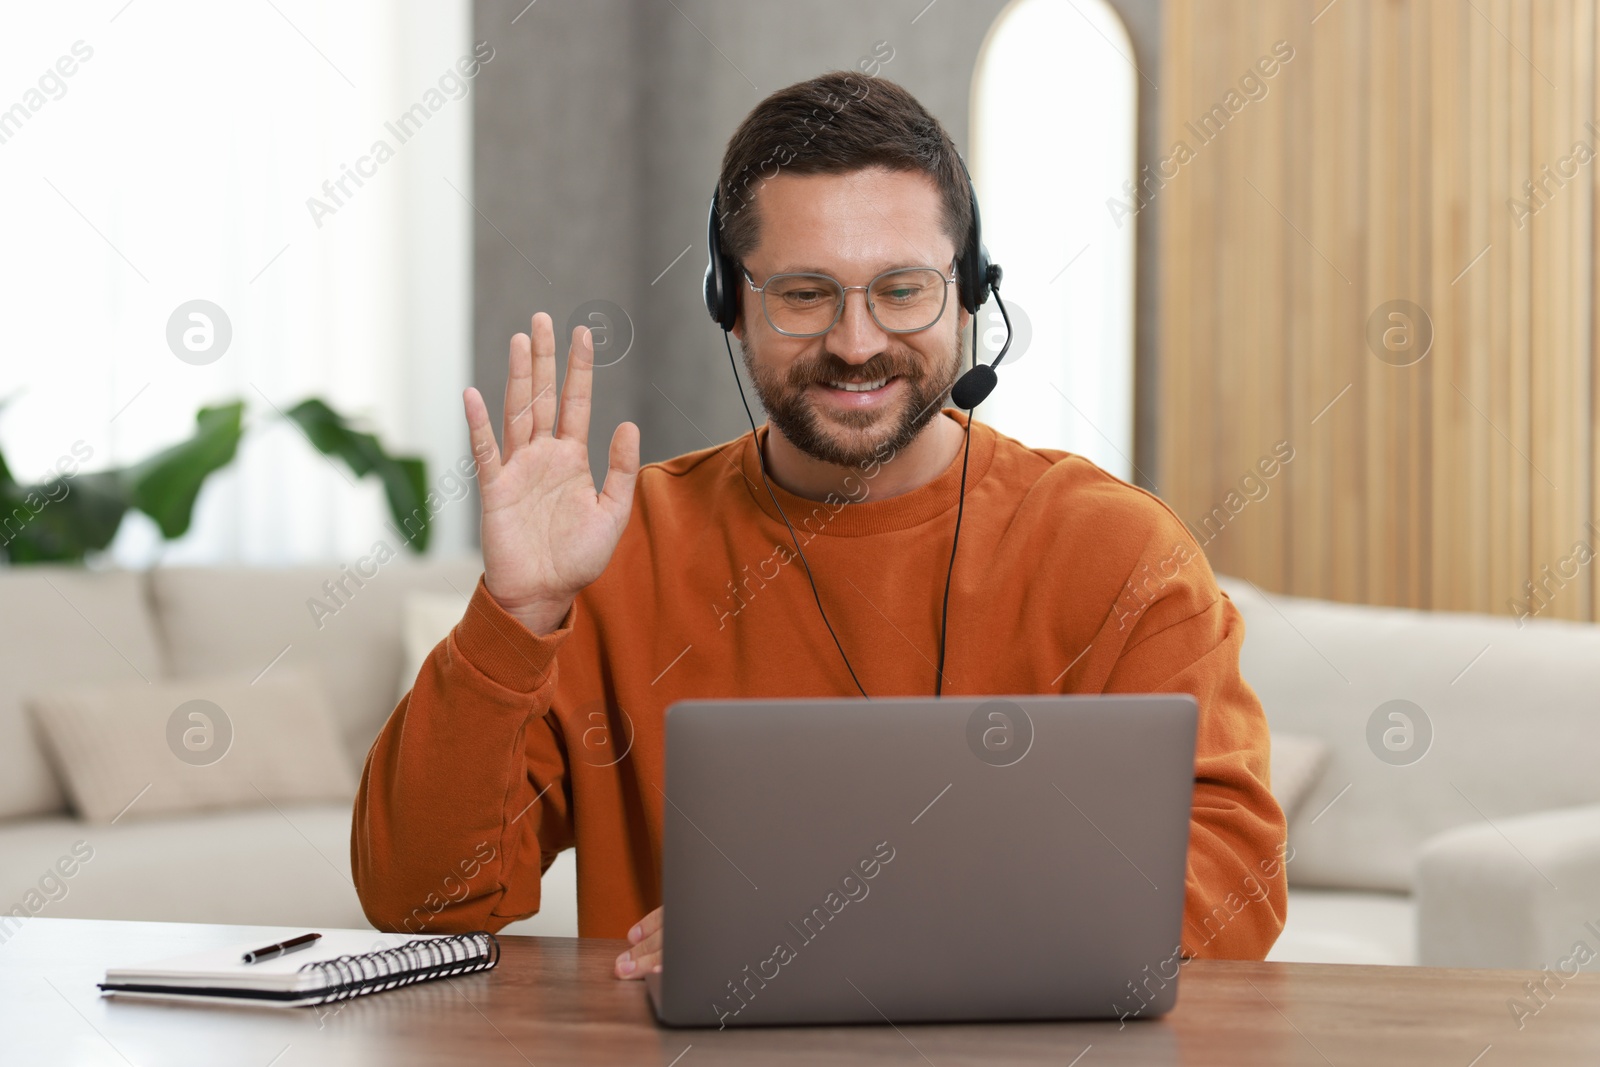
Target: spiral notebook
[{"x": 345, "y": 963}]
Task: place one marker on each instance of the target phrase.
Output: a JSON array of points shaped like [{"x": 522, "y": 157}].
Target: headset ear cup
[
  {"x": 730, "y": 295},
  {"x": 713, "y": 282},
  {"x": 981, "y": 274},
  {"x": 712, "y": 292},
  {"x": 722, "y": 300},
  {"x": 969, "y": 279},
  {"x": 974, "y": 256}
]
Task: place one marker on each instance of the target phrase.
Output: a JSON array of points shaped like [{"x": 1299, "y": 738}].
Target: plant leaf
[
  {"x": 63, "y": 519},
  {"x": 404, "y": 478},
  {"x": 165, "y": 485},
  {"x": 405, "y": 482}
]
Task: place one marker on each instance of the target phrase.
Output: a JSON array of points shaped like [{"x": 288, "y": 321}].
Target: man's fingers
[
  {"x": 515, "y": 426},
  {"x": 481, "y": 435},
  {"x": 617, "y": 493},
  {"x": 634, "y": 965},
  {"x": 543, "y": 398},
  {"x": 645, "y": 955},
  {"x": 641, "y": 959},
  {"x": 577, "y": 392},
  {"x": 629, "y": 969},
  {"x": 645, "y": 927}
]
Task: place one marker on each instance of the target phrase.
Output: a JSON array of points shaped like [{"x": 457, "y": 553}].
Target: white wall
[{"x": 176, "y": 163}]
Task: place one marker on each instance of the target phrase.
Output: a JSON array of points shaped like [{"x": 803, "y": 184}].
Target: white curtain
[
  {"x": 1054, "y": 139},
  {"x": 174, "y": 163}
]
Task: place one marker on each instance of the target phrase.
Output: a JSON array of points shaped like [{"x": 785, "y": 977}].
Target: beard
[{"x": 850, "y": 438}]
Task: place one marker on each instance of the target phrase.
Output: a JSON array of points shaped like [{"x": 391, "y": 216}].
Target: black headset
[{"x": 976, "y": 278}]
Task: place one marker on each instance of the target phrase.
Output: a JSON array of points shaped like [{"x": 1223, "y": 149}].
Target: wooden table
[{"x": 553, "y": 1001}]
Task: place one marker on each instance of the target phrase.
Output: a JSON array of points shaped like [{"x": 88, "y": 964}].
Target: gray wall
[{"x": 599, "y": 128}]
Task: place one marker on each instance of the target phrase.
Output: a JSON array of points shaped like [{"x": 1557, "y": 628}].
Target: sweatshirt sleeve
[
  {"x": 1186, "y": 636},
  {"x": 464, "y": 798}
]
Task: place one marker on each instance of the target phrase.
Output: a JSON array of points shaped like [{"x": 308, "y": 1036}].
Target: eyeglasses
[{"x": 903, "y": 300}]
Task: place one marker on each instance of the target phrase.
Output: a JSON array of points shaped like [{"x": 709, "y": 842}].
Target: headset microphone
[{"x": 974, "y": 387}]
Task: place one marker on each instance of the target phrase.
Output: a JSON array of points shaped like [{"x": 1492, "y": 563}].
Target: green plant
[{"x": 67, "y": 517}]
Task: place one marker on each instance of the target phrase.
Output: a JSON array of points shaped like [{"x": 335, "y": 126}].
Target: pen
[{"x": 294, "y": 944}]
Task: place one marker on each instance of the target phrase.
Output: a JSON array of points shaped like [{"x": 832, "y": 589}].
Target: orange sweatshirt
[{"x": 512, "y": 747}]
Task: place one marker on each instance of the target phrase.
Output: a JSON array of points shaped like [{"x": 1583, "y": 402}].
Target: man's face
[{"x": 853, "y": 227}]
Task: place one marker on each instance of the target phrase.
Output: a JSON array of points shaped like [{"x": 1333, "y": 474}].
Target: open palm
[{"x": 546, "y": 531}]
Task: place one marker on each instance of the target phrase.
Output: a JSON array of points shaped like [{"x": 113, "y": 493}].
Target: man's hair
[{"x": 836, "y": 123}]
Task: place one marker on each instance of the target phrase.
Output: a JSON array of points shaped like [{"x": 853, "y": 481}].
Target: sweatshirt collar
[{"x": 841, "y": 518}]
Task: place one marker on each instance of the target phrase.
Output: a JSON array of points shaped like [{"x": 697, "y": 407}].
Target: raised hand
[{"x": 546, "y": 532}]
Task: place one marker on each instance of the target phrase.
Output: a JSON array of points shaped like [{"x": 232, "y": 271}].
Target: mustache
[{"x": 831, "y": 368}]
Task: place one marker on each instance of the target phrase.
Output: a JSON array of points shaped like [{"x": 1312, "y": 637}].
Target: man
[{"x": 537, "y": 725}]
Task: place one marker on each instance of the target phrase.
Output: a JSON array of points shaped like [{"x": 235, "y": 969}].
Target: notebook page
[{"x": 225, "y": 968}]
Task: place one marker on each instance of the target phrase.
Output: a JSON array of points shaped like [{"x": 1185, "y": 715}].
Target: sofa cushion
[
  {"x": 126, "y": 749},
  {"x": 342, "y": 622},
  {"x": 1522, "y": 892},
  {"x": 426, "y": 619},
  {"x": 1494, "y": 719},
  {"x": 288, "y": 866},
  {"x": 58, "y": 624},
  {"x": 1297, "y": 762}
]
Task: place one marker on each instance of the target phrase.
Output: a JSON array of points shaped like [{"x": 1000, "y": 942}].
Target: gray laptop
[{"x": 919, "y": 860}]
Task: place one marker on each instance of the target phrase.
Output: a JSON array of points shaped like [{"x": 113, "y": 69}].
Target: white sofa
[
  {"x": 1483, "y": 852},
  {"x": 284, "y": 865},
  {"x": 1453, "y": 859}
]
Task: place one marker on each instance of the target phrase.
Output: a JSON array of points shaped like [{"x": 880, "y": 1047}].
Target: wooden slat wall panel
[
  {"x": 1348, "y": 306},
  {"x": 1410, "y": 584},
  {"x": 1515, "y": 416},
  {"x": 1579, "y": 310},
  {"x": 1382, "y": 164},
  {"x": 1545, "y": 278},
  {"x": 1498, "y": 267},
  {"x": 1484, "y": 191},
  {"x": 1307, "y": 501},
  {"x": 1266, "y": 395},
  {"x": 1387, "y": 105},
  {"x": 1450, "y": 176},
  {"x": 1593, "y": 529},
  {"x": 1240, "y": 229}
]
